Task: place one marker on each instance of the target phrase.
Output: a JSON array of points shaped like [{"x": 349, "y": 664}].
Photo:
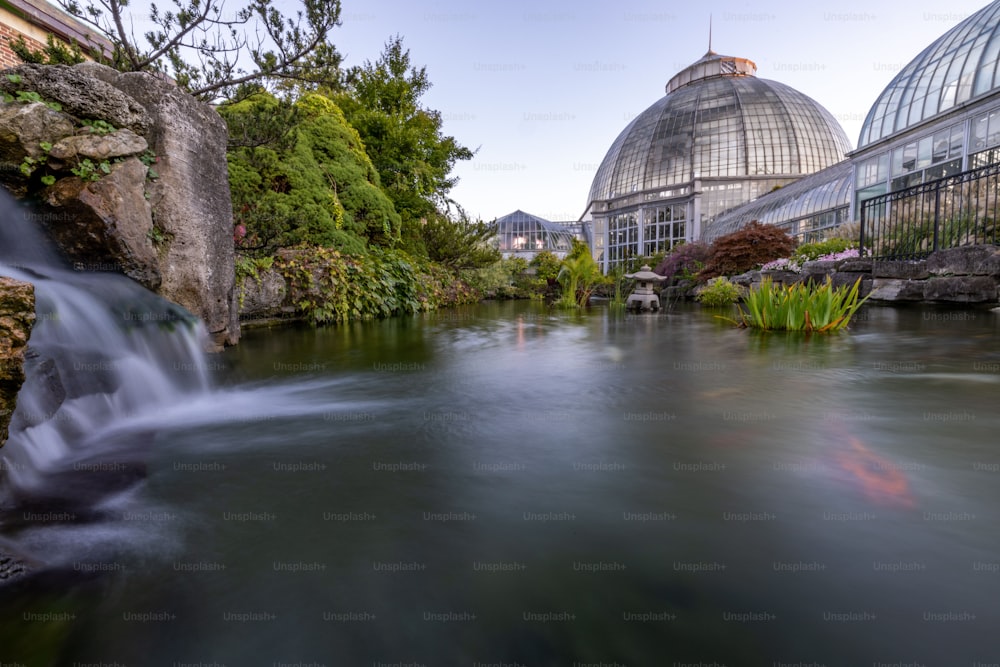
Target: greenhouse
[
  {"x": 808, "y": 209},
  {"x": 939, "y": 116},
  {"x": 720, "y": 137},
  {"x": 521, "y": 234}
]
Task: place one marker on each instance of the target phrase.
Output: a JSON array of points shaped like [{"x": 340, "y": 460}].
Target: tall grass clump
[{"x": 800, "y": 307}]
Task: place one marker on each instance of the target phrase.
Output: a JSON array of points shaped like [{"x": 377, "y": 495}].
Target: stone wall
[
  {"x": 967, "y": 275},
  {"x": 17, "y": 316}
]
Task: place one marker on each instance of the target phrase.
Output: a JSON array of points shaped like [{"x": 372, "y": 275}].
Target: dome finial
[{"x": 710, "y": 51}]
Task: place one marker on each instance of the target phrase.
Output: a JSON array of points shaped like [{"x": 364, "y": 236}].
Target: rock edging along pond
[{"x": 966, "y": 275}]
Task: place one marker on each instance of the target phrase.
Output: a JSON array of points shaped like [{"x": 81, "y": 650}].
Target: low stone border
[{"x": 967, "y": 275}]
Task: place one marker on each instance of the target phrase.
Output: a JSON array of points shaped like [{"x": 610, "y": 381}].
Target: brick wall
[{"x": 8, "y": 35}]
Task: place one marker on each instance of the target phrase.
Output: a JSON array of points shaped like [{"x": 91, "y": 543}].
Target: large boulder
[
  {"x": 896, "y": 289},
  {"x": 105, "y": 225},
  {"x": 190, "y": 199},
  {"x": 106, "y": 216},
  {"x": 977, "y": 260},
  {"x": 961, "y": 289},
  {"x": 17, "y": 316},
  {"x": 79, "y": 94}
]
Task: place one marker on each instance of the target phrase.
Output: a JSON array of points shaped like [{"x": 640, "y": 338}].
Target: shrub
[
  {"x": 747, "y": 249},
  {"x": 546, "y": 266},
  {"x": 808, "y": 252},
  {"x": 719, "y": 292},
  {"x": 684, "y": 261}
]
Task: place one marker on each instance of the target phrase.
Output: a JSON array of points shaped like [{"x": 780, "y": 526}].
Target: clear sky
[{"x": 542, "y": 88}]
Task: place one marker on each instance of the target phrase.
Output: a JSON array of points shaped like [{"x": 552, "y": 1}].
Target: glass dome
[
  {"x": 521, "y": 232},
  {"x": 957, "y": 67},
  {"x": 805, "y": 208},
  {"x": 718, "y": 120}
]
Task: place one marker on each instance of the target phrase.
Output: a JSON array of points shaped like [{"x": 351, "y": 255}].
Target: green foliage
[
  {"x": 30, "y": 164},
  {"x": 89, "y": 171},
  {"x": 800, "y": 307},
  {"x": 808, "y": 252},
  {"x": 459, "y": 243},
  {"x": 156, "y": 235},
  {"x": 719, "y": 292},
  {"x": 54, "y": 52},
  {"x": 746, "y": 249},
  {"x": 505, "y": 279},
  {"x": 98, "y": 127},
  {"x": 578, "y": 276},
  {"x": 414, "y": 159},
  {"x": 28, "y": 96},
  {"x": 330, "y": 287},
  {"x": 317, "y": 188},
  {"x": 617, "y": 279},
  {"x": 149, "y": 158},
  {"x": 546, "y": 265}
]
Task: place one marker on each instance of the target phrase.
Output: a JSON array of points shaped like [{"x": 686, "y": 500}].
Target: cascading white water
[{"x": 103, "y": 350}]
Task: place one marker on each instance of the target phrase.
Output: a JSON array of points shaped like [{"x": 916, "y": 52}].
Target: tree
[
  {"x": 315, "y": 186},
  {"x": 746, "y": 249},
  {"x": 405, "y": 141},
  {"x": 205, "y": 51},
  {"x": 459, "y": 243}
]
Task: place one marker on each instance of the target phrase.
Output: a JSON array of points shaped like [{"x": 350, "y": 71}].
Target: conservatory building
[
  {"x": 719, "y": 138},
  {"x": 521, "y": 234},
  {"x": 938, "y": 117}
]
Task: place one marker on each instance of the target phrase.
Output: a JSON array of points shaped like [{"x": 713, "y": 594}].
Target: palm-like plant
[{"x": 578, "y": 276}]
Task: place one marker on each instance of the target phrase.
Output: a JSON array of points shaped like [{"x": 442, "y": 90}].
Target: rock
[
  {"x": 190, "y": 199},
  {"x": 121, "y": 143},
  {"x": 105, "y": 224},
  {"x": 80, "y": 93},
  {"x": 782, "y": 277},
  {"x": 840, "y": 279},
  {"x": 263, "y": 297},
  {"x": 746, "y": 279},
  {"x": 17, "y": 316},
  {"x": 906, "y": 270},
  {"x": 855, "y": 265},
  {"x": 965, "y": 261},
  {"x": 894, "y": 289},
  {"x": 23, "y": 127},
  {"x": 962, "y": 289}
]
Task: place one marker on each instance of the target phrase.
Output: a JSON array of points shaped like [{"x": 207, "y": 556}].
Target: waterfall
[{"x": 103, "y": 351}]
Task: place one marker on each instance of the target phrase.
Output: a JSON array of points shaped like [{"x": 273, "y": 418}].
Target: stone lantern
[{"x": 642, "y": 297}]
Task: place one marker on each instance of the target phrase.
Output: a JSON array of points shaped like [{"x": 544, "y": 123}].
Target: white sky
[{"x": 542, "y": 88}]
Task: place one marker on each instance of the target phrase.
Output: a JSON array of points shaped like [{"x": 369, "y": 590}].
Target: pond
[{"x": 505, "y": 484}]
